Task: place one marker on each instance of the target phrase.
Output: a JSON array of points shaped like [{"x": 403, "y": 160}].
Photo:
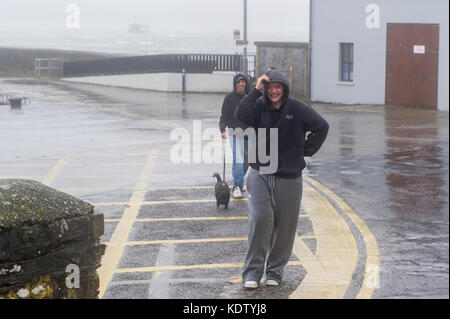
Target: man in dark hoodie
[
  {"x": 274, "y": 198},
  {"x": 239, "y": 144}
]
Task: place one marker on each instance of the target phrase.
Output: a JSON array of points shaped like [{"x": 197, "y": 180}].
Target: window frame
[{"x": 346, "y": 48}]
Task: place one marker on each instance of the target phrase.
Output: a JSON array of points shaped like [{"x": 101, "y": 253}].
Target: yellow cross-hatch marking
[
  {"x": 117, "y": 243},
  {"x": 56, "y": 169},
  {"x": 330, "y": 270}
]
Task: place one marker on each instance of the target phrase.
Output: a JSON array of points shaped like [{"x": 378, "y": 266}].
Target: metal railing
[
  {"x": 47, "y": 67},
  {"x": 190, "y": 63}
]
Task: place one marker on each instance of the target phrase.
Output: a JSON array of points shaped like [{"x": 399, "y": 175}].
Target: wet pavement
[{"x": 166, "y": 239}]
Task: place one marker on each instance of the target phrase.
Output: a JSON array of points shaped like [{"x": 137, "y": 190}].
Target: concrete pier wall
[{"x": 216, "y": 82}]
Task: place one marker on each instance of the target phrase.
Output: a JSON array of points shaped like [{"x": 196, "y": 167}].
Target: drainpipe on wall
[{"x": 310, "y": 49}]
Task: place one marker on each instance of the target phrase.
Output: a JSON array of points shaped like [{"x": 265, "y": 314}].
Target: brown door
[{"x": 412, "y": 57}]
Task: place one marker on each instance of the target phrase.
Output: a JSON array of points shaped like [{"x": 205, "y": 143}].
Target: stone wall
[{"x": 49, "y": 243}]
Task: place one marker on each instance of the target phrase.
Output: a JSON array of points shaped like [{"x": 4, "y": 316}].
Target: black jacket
[
  {"x": 231, "y": 101},
  {"x": 293, "y": 120}
]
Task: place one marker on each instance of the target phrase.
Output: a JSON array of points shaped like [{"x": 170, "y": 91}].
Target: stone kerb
[{"x": 49, "y": 243}]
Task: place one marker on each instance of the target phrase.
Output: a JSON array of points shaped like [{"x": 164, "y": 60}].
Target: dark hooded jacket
[
  {"x": 231, "y": 101},
  {"x": 293, "y": 120}
]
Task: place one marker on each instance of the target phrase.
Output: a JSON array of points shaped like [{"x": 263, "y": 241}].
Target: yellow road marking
[
  {"x": 372, "y": 252},
  {"x": 144, "y": 203},
  {"x": 112, "y": 204},
  {"x": 167, "y": 268},
  {"x": 105, "y": 164},
  {"x": 193, "y": 241},
  {"x": 115, "y": 220},
  {"x": 190, "y": 218},
  {"x": 185, "y": 187},
  {"x": 189, "y": 267},
  {"x": 75, "y": 189},
  {"x": 56, "y": 169},
  {"x": 117, "y": 243},
  {"x": 97, "y": 176},
  {"x": 188, "y": 175},
  {"x": 119, "y": 153},
  {"x": 131, "y": 188},
  {"x": 184, "y": 241},
  {"x": 330, "y": 270}
]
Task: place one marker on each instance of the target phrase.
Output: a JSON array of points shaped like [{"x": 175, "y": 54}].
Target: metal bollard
[
  {"x": 4, "y": 99},
  {"x": 183, "y": 82}
]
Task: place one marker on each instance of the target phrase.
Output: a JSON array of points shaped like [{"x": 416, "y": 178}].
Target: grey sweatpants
[{"x": 274, "y": 207}]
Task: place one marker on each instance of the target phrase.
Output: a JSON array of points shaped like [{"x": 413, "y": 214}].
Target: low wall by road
[
  {"x": 216, "y": 82},
  {"x": 49, "y": 243}
]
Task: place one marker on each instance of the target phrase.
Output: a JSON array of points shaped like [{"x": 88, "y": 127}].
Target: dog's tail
[{"x": 216, "y": 175}]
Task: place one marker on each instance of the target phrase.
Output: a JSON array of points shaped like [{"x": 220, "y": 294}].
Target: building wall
[
  {"x": 333, "y": 22},
  {"x": 217, "y": 82},
  {"x": 291, "y": 59}
]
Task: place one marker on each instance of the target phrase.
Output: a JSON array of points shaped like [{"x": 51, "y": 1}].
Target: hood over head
[
  {"x": 239, "y": 77},
  {"x": 277, "y": 76}
]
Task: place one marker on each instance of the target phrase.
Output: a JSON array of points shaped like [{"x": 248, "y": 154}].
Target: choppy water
[{"x": 121, "y": 41}]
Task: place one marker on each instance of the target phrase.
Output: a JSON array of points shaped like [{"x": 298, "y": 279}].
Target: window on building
[{"x": 346, "y": 62}]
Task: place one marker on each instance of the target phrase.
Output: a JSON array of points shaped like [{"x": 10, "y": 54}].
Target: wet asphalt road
[{"x": 390, "y": 164}]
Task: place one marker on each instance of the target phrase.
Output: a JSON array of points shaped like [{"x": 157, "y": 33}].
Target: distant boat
[{"x": 138, "y": 28}]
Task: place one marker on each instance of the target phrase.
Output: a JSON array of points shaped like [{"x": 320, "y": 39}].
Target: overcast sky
[{"x": 289, "y": 18}]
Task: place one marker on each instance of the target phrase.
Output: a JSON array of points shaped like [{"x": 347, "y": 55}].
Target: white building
[{"x": 380, "y": 52}]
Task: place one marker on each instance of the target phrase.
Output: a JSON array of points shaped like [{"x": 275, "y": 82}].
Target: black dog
[{"x": 222, "y": 192}]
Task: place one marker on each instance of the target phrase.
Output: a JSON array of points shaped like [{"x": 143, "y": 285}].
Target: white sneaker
[
  {"x": 251, "y": 284},
  {"x": 244, "y": 189},
  {"x": 237, "y": 193},
  {"x": 270, "y": 282}
]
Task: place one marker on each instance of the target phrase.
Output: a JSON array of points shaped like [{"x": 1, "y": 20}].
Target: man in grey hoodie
[{"x": 274, "y": 198}]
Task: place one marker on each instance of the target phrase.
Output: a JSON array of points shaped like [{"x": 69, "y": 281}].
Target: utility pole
[
  {"x": 237, "y": 35},
  {"x": 245, "y": 69}
]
